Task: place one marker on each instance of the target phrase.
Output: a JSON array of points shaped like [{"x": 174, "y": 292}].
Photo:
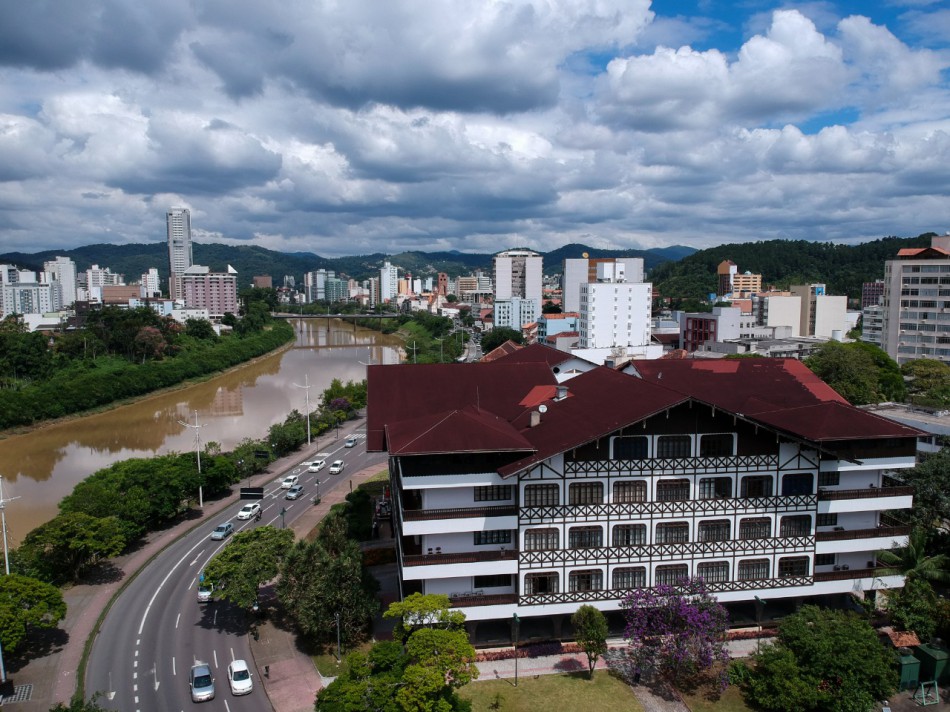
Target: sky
[{"x": 347, "y": 127}]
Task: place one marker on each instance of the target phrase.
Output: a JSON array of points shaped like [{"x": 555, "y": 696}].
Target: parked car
[
  {"x": 249, "y": 510},
  {"x": 204, "y": 592},
  {"x": 337, "y": 467},
  {"x": 317, "y": 465},
  {"x": 294, "y": 492},
  {"x": 289, "y": 481},
  {"x": 201, "y": 682},
  {"x": 222, "y": 531},
  {"x": 239, "y": 677},
  {"x": 350, "y": 442}
]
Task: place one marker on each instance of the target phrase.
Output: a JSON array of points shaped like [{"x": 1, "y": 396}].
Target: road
[{"x": 156, "y": 629}]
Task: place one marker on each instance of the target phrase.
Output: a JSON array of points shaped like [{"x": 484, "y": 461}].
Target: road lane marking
[
  {"x": 174, "y": 672},
  {"x": 177, "y": 618},
  {"x": 215, "y": 654},
  {"x": 164, "y": 581},
  {"x": 232, "y": 654},
  {"x": 226, "y": 706},
  {"x": 197, "y": 556}
]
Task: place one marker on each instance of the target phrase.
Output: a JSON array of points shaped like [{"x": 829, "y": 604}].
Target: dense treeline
[{"x": 782, "y": 263}]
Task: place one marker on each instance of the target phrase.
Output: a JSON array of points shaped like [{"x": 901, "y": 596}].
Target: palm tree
[{"x": 913, "y": 561}]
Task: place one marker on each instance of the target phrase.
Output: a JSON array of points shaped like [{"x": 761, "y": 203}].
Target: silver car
[{"x": 201, "y": 682}]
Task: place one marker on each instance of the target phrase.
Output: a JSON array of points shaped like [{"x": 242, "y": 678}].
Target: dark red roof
[
  {"x": 535, "y": 353},
  {"x": 501, "y": 351},
  {"x": 824, "y": 422},
  {"x": 468, "y": 430}
]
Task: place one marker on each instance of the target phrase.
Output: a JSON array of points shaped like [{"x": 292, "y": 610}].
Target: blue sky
[{"x": 358, "y": 127}]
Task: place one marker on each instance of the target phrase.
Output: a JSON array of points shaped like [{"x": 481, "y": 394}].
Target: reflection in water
[{"x": 42, "y": 467}]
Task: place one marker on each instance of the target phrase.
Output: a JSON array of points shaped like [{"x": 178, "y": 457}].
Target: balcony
[
  {"x": 421, "y": 515},
  {"x": 844, "y": 535},
  {"x": 845, "y": 574},
  {"x": 496, "y": 599},
  {"x": 464, "y": 557},
  {"x": 825, "y": 495}
]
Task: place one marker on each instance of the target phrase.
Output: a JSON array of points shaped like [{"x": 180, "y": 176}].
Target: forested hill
[{"x": 843, "y": 268}]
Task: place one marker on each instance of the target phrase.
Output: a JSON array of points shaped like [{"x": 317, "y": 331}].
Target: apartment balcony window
[
  {"x": 631, "y": 447},
  {"x": 672, "y": 491},
  {"x": 672, "y": 533},
  {"x": 630, "y": 577},
  {"x": 799, "y": 525},
  {"x": 829, "y": 479},
  {"x": 670, "y": 574},
  {"x": 540, "y": 583},
  {"x": 793, "y": 566},
  {"x": 630, "y": 535},
  {"x": 713, "y": 571},
  {"x": 586, "y": 493},
  {"x": 797, "y": 483},
  {"x": 824, "y": 559},
  {"x": 586, "y": 580},
  {"x": 717, "y": 445},
  {"x": 756, "y": 486},
  {"x": 715, "y": 530},
  {"x": 493, "y": 493},
  {"x": 715, "y": 487},
  {"x": 630, "y": 491},
  {"x": 753, "y": 569},
  {"x": 492, "y": 536},
  {"x": 540, "y": 539},
  {"x": 826, "y": 520},
  {"x": 493, "y": 581},
  {"x": 585, "y": 537},
  {"x": 541, "y": 495},
  {"x": 672, "y": 446},
  {"x": 755, "y": 528}
]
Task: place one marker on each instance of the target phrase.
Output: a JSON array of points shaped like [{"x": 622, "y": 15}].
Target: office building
[
  {"x": 200, "y": 288},
  {"x": 872, "y": 293},
  {"x": 731, "y": 281},
  {"x": 821, "y": 314},
  {"x": 180, "y": 257}
]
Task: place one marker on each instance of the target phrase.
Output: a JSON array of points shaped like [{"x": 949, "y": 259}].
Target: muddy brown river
[{"x": 41, "y": 467}]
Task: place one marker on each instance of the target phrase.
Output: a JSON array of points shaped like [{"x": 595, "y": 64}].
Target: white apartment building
[
  {"x": 872, "y": 325},
  {"x": 516, "y": 494},
  {"x": 779, "y": 310},
  {"x": 31, "y": 297},
  {"x": 516, "y": 312},
  {"x": 917, "y": 303},
  {"x": 180, "y": 254},
  {"x": 62, "y": 273},
  {"x": 578, "y": 271},
  {"x": 388, "y": 282},
  {"x": 150, "y": 283},
  {"x": 821, "y": 314},
  {"x": 518, "y": 273}
]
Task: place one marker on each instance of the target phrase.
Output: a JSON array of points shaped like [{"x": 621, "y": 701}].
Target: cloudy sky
[{"x": 354, "y": 126}]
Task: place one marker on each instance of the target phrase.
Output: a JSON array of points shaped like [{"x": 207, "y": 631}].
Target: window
[
  {"x": 630, "y": 491},
  {"x": 670, "y": 574},
  {"x": 630, "y": 577},
  {"x": 493, "y": 493},
  {"x": 672, "y": 533},
  {"x": 756, "y": 486},
  {"x": 824, "y": 559},
  {"x": 753, "y": 569},
  {"x": 541, "y": 495},
  {"x": 715, "y": 530},
  {"x": 587, "y": 580},
  {"x": 793, "y": 566},
  {"x": 795, "y": 526},
  {"x": 797, "y": 483},
  {"x": 630, "y": 535},
  {"x": 717, "y": 445},
  {"x": 587, "y": 493},
  {"x": 672, "y": 491},
  {"x": 829, "y": 479},
  {"x": 757, "y": 528},
  {"x": 631, "y": 448},
  {"x": 715, "y": 487},
  {"x": 493, "y": 581},
  {"x": 826, "y": 520},
  {"x": 713, "y": 571},
  {"x": 674, "y": 446},
  {"x": 540, "y": 583},
  {"x": 540, "y": 539},
  {"x": 585, "y": 537},
  {"x": 493, "y": 536}
]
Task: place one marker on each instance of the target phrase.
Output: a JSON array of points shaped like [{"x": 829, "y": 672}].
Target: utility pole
[
  {"x": 201, "y": 500},
  {"x": 307, "y": 391},
  {"x": 3, "y": 523},
  {"x": 413, "y": 351}
]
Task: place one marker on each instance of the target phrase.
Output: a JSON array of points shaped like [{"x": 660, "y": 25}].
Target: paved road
[{"x": 157, "y": 629}]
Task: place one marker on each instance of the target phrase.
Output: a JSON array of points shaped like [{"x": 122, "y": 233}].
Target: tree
[
  {"x": 675, "y": 631},
  {"x": 63, "y": 548},
  {"x": 27, "y": 603},
  {"x": 928, "y": 382},
  {"x": 914, "y": 607},
  {"x": 369, "y": 682},
  {"x": 80, "y": 705},
  {"x": 551, "y": 308},
  {"x": 913, "y": 561},
  {"x": 821, "y": 660},
  {"x": 850, "y": 371},
  {"x": 252, "y": 558},
  {"x": 499, "y": 335},
  {"x": 590, "y": 628},
  {"x": 200, "y": 329},
  {"x": 931, "y": 509},
  {"x": 418, "y": 610}
]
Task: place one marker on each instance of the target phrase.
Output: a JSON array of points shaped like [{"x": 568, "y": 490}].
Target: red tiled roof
[
  {"x": 922, "y": 252},
  {"x": 468, "y": 430},
  {"x": 830, "y": 421},
  {"x": 533, "y": 354},
  {"x": 501, "y": 351}
]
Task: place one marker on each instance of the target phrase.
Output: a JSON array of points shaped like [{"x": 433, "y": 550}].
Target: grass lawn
[
  {"x": 326, "y": 662},
  {"x": 552, "y": 693},
  {"x": 730, "y": 701}
]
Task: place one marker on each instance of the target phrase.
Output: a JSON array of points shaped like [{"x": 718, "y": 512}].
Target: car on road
[
  {"x": 350, "y": 442},
  {"x": 239, "y": 677},
  {"x": 201, "y": 682},
  {"x": 294, "y": 492},
  {"x": 249, "y": 510},
  {"x": 222, "y": 531},
  {"x": 337, "y": 467},
  {"x": 204, "y": 592},
  {"x": 289, "y": 481},
  {"x": 317, "y": 465}
]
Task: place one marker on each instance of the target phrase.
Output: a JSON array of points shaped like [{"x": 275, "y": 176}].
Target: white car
[
  {"x": 350, "y": 441},
  {"x": 317, "y": 465},
  {"x": 239, "y": 677},
  {"x": 337, "y": 467},
  {"x": 289, "y": 481},
  {"x": 248, "y": 511}
]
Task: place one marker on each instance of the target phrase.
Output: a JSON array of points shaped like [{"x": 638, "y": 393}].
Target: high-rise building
[
  {"x": 180, "y": 258},
  {"x": 150, "y": 284},
  {"x": 613, "y": 311},
  {"x": 730, "y": 281},
  {"x": 200, "y": 288},
  {"x": 872, "y": 293},
  {"x": 62, "y": 273},
  {"x": 580, "y": 270},
  {"x": 518, "y": 273},
  {"x": 821, "y": 313},
  {"x": 388, "y": 282}
]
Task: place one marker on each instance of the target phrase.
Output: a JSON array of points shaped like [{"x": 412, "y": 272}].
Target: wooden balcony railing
[
  {"x": 465, "y": 557},
  {"x": 496, "y": 599},
  {"x": 848, "y": 534},
  {"x": 825, "y": 495},
  {"x": 846, "y": 574},
  {"x": 416, "y": 515}
]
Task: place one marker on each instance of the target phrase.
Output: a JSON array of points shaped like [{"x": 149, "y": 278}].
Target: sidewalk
[{"x": 51, "y": 676}]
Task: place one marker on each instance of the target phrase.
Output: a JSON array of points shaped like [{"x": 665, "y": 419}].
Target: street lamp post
[
  {"x": 306, "y": 388},
  {"x": 201, "y": 501},
  {"x": 517, "y": 623},
  {"x": 759, "y": 607},
  {"x": 337, "y": 616}
]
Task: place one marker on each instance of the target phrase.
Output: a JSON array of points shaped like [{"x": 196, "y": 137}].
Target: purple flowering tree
[{"x": 675, "y": 632}]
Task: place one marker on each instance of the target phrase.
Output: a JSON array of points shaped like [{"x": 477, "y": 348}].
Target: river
[{"x": 41, "y": 467}]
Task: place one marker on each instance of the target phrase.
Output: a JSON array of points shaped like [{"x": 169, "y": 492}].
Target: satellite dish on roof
[
  {"x": 542, "y": 408},
  {"x": 584, "y": 255}
]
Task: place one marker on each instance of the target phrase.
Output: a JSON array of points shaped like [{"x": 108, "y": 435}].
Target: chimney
[
  {"x": 561, "y": 393},
  {"x": 535, "y": 419}
]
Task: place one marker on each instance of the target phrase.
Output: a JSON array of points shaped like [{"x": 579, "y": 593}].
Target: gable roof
[
  {"x": 467, "y": 430},
  {"x": 535, "y": 353},
  {"x": 826, "y": 422},
  {"x": 501, "y": 351}
]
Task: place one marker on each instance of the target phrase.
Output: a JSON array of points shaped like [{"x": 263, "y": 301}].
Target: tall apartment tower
[
  {"x": 517, "y": 273},
  {"x": 388, "y": 282},
  {"x": 178, "y": 223},
  {"x": 62, "y": 273},
  {"x": 581, "y": 270}
]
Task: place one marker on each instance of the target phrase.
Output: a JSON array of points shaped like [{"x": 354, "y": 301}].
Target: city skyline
[{"x": 473, "y": 126}]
